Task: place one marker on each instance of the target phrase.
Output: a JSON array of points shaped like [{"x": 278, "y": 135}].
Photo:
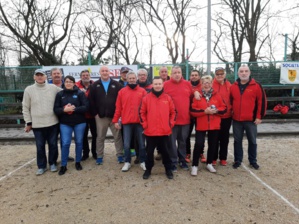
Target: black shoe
[
  {"x": 146, "y": 174},
  {"x": 70, "y": 159},
  {"x": 78, "y": 166},
  {"x": 136, "y": 161},
  {"x": 62, "y": 170},
  {"x": 84, "y": 157},
  {"x": 94, "y": 156},
  {"x": 236, "y": 165},
  {"x": 169, "y": 174},
  {"x": 255, "y": 166}
]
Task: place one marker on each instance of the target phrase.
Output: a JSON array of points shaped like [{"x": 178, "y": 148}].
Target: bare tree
[
  {"x": 294, "y": 56},
  {"x": 42, "y": 28}
]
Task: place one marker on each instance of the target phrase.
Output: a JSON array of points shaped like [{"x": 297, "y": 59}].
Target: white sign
[
  {"x": 289, "y": 73},
  {"x": 93, "y": 70}
]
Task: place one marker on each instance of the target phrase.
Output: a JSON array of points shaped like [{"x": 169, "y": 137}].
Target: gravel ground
[{"x": 104, "y": 194}]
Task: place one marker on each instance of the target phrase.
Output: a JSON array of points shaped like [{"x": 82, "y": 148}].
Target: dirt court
[{"x": 104, "y": 194}]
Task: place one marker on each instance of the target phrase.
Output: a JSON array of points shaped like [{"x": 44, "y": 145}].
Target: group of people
[{"x": 144, "y": 116}]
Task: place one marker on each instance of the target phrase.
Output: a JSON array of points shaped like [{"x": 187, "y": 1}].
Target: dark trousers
[
  {"x": 90, "y": 125},
  {"x": 212, "y": 144},
  {"x": 188, "y": 142},
  {"x": 223, "y": 139},
  {"x": 162, "y": 143},
  {"x": 43, "y": 135}
]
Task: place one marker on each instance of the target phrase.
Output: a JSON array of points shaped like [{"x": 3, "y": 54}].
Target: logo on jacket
[
  {"x": 75, "y": 96},
  {"x": 98, "y": 85},
  {"x": 112, "y": 86}
]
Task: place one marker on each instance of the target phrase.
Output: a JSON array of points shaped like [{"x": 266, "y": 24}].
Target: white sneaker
[
  {"x": 194, "y": 170},
  {"x": 41, "y": 171},
  {"x": 142, "y": 165},
  {"x": 53, "y": 168},
  {"x": 211, "y": 168},
  {"x": 126, "y": 167}
]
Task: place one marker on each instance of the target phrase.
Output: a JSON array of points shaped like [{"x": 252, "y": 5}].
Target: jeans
[
  {"x": 212, "y": 144},
  {"x": 90, "y": 125},
  {"x": 179, "y": 135},
  {"x": 223, "y": 139},
  {"x": 66, "y": 139},
  {"x": 251, "y": 132},
  {"x": 129, "y": 130},
  {"x": 43, "y": 135}
]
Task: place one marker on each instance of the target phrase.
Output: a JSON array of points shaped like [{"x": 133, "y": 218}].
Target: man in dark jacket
[
  {"x": 249, "y": 105},
  {"x": 103, "y": 94}
]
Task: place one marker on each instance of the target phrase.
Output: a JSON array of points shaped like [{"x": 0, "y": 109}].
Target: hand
[
  {"x": 28, "y": 128},
  {"x": 197, "y": 95},
  {"x": 117, "y": 126},
  {"x": 69, "y": 109},
  {"x": 257, "y": 121},
  {"x": 209, "y": 110}
]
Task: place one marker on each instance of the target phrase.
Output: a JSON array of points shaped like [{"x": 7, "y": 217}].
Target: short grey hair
[
  {"x": 176, "y": 67},
  {"x": 142, "y": 70},
  {"x": 131, "y": 73},
  {"x": 243, "y": 66},
  {"x": 54, "y": 69}
]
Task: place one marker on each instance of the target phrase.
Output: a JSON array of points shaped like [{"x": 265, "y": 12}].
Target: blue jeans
[
  {"x": 251, "y": 132},
  {"x": 66, "y": 139},
  {"x": 128, "y": 131},
  {"x": 43, "y": 135}
]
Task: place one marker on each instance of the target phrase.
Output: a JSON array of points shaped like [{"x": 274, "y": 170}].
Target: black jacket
[
  {"x": 75, "y": 97},
  {"x": 103, "y": 103}
]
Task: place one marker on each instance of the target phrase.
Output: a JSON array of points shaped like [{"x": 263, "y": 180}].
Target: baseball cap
[
  {"x": 219, "y": 69},
  {"x": 124, "y": 69},
  {"x": 39, "y": 71}
]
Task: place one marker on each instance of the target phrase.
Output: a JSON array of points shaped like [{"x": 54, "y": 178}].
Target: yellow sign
[
  {"x": 292, "y": 75},
  {"x": 157, "y": 68}
]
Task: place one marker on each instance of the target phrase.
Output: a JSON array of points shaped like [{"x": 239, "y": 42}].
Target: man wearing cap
[
  {"x": 84, "y": 85},
  {"x": 102, "y": 97},
  {"x": 123, "y": 75},
  {"x": 249, "y": 105},
  {"x": 38, "y": 104}
]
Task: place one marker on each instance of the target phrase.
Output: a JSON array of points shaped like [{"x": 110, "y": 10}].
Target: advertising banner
[{"x": 289, "y": 73}]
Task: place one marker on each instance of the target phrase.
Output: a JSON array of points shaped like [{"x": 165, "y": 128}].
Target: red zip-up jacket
[
  {"x": 180, "y": 93},
  {"x": 80, "y": 85},
  {"x": 157, "y": 114},
  {"x": 127, "y": 105},
  {"x": 206, "y": 122},
  {"x": 249, "y": 105},
  {"x": 224, "y": 91}
]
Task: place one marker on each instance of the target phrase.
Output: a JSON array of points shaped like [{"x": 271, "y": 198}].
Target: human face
[
  {"x": 69, "y": 84},
  {"x": 142, "y": 76},
  {"x": 85, "y": 77},
  {"x": 104, "y": 72},
  {"x": 39, "y": 78},
  {"x": 163, "y": 73},
  {"x": 176, "y": 74},
  {"x": 157, "y": 84},
  {"x": 124, "y": 76},
  {"x": 206, "y": 84},
  {"x": 194, "y": 76},
  {"x": 132, "y": 79},
  {"x": 56, "y": 76},
  {"x": 244, "y": 74},
  {"x": 220, "y": 76}
]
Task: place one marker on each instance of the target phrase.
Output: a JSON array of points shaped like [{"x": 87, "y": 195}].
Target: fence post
[
  {"x": 236, "y": 70},
  {"x": 187, "y": 65}
]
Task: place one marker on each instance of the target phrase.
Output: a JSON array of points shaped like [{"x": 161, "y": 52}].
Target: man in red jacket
[
  {"x": 180, "y": 91},
  {"x": 157, "y": 117},
  {"x": 249, "y": 105},
  {"x": 127, "y": 106},
  {"x": 84, "y": 85}
]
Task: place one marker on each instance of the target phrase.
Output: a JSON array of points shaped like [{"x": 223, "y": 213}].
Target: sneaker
[
  {"x": 146, "y": 174},
  {"x": 174, "y": 169},
  {"x": 194, "y": 170},
  {"x": 214, "y": 162},
  {"x": 277, "y": 108},
  {"x": 133, "y": 152},
  {"x": 158, "y": 156},
  {"x": 169, "y": 174},
  {"x": 126, "y": 167},
  {"x": 203, "y": 158},
  {"x": 223, "y": 162},
  {"x": 78, "y": 166},
  {"x": 41, "y": 171},
  {"x": 188, "y": 156},
  {"x": 99, "y": 161},
  {"x": 211, "y": 168},
  {"x": 120, "y": 159},
  {"x": 255, "y": 166},
  {"x": 84, "y": 157},
  {"x": 62, "y": 170},
  {"x": 142, "y": 165},
  {"x": 53, "y": 168},
  {"x": 184, "y": 166},
  {"x": 136, "y": 161},
  {"x": 236, "y": 165}
]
